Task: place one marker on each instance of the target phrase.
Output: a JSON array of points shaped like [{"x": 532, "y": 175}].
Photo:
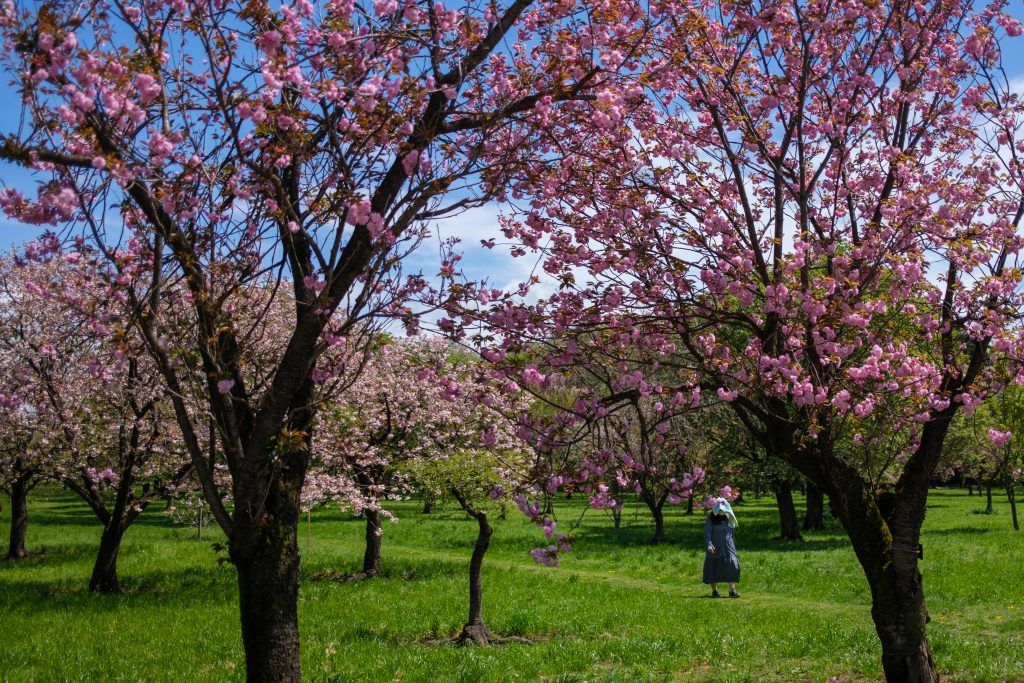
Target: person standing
[{"x": 721, "y": 564}]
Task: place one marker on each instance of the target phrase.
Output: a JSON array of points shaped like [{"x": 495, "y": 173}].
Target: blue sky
[{"x": 472, "y": 226}]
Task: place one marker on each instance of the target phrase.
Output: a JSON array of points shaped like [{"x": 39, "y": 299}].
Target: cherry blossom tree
[
  {"x": 30, "y": 335},
  {"x": 990, "y": 437},
  {"x": 225, "y": 143},
  {"x": 415, "y": 401},
  {"x": 608, "y": 431},
  {"x": 24, "y": 426},
  {"x": 813, "y": 212},
  {"x": 20, "y": 469},
  {"x": 384, "y": 418},
  {"x": 595, "y": 414},
  {"x": 475, "y": 480},
  {"x": 126, "y": 454},
  {"x": 462, "y": 443},
  {"x": 109, "y": 432}
]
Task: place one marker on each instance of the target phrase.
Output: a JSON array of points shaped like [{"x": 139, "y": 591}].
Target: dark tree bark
[
  {"x": 617, "y": 511},
  {"x": 689, "y": 506},
  {"x": 374, "y": 533},
  {"x": 1011, "y": 495},
  {"x": 988, "y": 499},
  {"x": 900, "y": 618},
  {"x": 885, "y": 533},
  {"x": 19, "y": 519},
  {"x": 104, "y": 571},
  {"x": 814, "y": 519},
  {"x": 428, "y": 505},
  {"x": 789, "y": 525},
  {"x": 115, "y": 524},
  {"x": 265, "y": 552},
  {"x": 897, "y": 592},
  {"x": 657, "y": 508},
  {"x": 475, "y": 631}
]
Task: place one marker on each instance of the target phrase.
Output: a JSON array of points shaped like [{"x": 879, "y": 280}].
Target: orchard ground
[{"x": 617, "y": 609}]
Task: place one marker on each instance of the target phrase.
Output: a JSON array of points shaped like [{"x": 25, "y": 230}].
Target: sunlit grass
[{"x": 617, "y": 609}]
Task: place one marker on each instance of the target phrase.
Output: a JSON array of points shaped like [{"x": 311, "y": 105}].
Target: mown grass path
[{"x": 617, "y": 609}]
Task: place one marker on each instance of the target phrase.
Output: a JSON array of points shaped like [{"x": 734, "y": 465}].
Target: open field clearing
[{"x": 617, "y": 609}]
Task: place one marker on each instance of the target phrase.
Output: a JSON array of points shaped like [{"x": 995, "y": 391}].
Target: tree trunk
[
  {"x": 900, "y": 619},
  {"x": 475, "y": 631},
  {"x": 19, "y": 520},
  {"x": 264, "y": 546},
  {"x": 889, "y": 559},
  {"x": 885, "y": 532},
  {"x": 371, "y": 557},
  {"x": 689, "y": 506},
  {"x": 1011, "y": 495},
  {"x": 886, "y": 545},
  {"x": 658, "y": 513},
  {"x": 428, "y": 504},
  {"x": 617, "y": 511},
  {"x": 789, "y": 523},
  {"x": 988, "y": 499},
  {"x": 104, "y": 572},
  {"x": 268, "y": 585},
  {"x": 814, "y": 520}
]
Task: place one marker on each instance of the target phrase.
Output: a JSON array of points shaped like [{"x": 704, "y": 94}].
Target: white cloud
[
  {"x": 1017, "y": 84},
  {"x": 478, "y": 263}
]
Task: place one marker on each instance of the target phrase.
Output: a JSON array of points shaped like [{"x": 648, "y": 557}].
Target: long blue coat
[{"x": 723, "y": 566}]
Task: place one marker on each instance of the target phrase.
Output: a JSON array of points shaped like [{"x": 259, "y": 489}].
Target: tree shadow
[
  {"x": 758, "y": 530},
  {"x": 348, "y": 572},
  {"x": 81, "y": 515},
  {"x": 606, "y": 537},
  {"x": 812, "y": 541},
  {"x": 71, "y": 593},
  {"x": 961, "y": 531},
  {"x": 50, "y": 555},
  {"x": 52, "y": 518}
]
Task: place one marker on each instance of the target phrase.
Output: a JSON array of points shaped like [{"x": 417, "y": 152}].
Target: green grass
[{"x": 616, "y": 610}]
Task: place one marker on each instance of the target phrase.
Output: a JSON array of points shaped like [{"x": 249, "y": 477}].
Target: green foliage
[
  {"x": 968, "y": 447},
  {"x": 473, "y": 474},
  {"x": 616, "y": 610}
]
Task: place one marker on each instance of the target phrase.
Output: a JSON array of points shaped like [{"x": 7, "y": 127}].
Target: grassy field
[{"x": 616, "y": 610}]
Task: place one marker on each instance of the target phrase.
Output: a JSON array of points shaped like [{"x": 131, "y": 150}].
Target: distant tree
[
  {"x": 476, "y": 480},
  {"x": 110, "y": 435}
]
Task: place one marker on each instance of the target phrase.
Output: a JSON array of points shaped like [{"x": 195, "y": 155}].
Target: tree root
[
  {"x": 338, "y": 577},
  {"x": 474, "y": 634}
]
